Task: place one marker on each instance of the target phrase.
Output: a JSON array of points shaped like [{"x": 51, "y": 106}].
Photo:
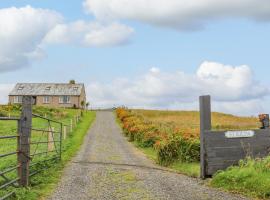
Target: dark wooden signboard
[{"x": 221, "y": 149}]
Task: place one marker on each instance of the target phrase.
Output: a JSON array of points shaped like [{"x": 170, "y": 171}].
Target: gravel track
[{"x": 109, "y": 167}]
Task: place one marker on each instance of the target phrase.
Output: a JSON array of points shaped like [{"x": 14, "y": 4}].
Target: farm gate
[
  {"x": 34, "y": 144},
  {"x": 221, "y": 149}
]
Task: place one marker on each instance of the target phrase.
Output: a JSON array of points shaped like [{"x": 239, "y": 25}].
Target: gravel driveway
[{"x": 109, "y": 167}]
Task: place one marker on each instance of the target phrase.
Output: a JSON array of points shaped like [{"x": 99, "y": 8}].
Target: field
[
  {"x": 9, "y": 128},
  {"x": 174, "y": 134},
  {"x": 188, "y": 122}
]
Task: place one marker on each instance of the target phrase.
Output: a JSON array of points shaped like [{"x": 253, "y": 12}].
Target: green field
[{"x": 70, "y": 145}]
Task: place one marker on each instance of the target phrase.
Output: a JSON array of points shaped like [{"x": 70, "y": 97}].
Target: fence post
[
  {"x": 64, "y": 132},
  {"x": 205, "y": 124},
  {"x": 24, "y": 128},
  {"x": 75, "y": 121},
  {"x": 50, "y": 139},
  {"x": 71, "y": 125},
  {"x": 61, "y": 140}
]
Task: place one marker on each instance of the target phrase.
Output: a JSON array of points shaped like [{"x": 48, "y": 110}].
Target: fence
[
  {"x": 36, "y": 144},
  {"x": 221, "y": 149}
]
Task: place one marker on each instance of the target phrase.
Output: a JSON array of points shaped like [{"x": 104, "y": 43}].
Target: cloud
[
  {"x": 230, "y": 87},
  {"x": 90, "y": 34},
  {"x": 24, "y": 31},
  {"x": 21, "y": 32},
  {"x": 184, "y": 15},
  {"x": 4, "y": 91}
]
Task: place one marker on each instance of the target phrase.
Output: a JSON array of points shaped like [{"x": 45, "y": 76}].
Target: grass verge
[
  {"x": 251, "y": 178},
  {"x": 189, "y": 169},
  {"x": 45, "y": 182}
]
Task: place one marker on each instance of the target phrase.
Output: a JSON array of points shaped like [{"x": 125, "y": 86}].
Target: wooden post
[
  {"x": 50, "y": 139},
  {"x": 24, "y": 128},
  {"x": 71, "y": 125},
  {"x": 205, "y": 124},
  {"x": 64, "y": 132},
  {"x": 61, "y": 140},
  {"x": 75, "y": 121}
]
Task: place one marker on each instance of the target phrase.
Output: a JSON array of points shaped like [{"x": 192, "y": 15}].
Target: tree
[
  {"x": 83, "y": 104},
  {"x": 72, "y": 81},
  {"x": 87, "y": 105}
]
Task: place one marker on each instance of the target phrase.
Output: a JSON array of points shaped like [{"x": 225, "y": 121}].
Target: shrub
[
  {"x": 3, "y": 113},
  {"x": 178, "y": 148}
]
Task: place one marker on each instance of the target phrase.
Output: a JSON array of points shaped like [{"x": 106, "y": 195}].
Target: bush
[
  {"x": 178, "y": 148},
  {"x": 3, "y": 113}
]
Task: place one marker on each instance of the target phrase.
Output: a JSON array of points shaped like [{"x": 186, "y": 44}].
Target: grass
[
  {"x": 189, "y": 169},
  {"x": 251, "y": 177},
  {"x": 43, "y": 183}
]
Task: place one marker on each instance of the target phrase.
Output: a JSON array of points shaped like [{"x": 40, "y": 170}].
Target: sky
[{"x": 152, "y": 54}]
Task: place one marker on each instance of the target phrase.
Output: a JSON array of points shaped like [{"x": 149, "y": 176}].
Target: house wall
[{"x": 54, "y": 101}]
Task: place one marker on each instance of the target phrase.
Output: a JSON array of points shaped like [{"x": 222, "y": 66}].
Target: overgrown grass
[
  {"x": 189, "y": 169},
  {"x": 251, "y": 177},
  {"x": 43, "y": 183}
]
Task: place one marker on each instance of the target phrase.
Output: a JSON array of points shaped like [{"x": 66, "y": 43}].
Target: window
[
  {"x": 75, "y": 88},
  {"x": 18, "y": 99},
  {"x": 64, "y": 99},
  {"x": 46, "y": 99}
]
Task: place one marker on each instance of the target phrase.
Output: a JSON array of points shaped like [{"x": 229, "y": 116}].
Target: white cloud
[
  {"x": 21, "y": 32},
  {"x": 24, "y": 31},
  {"x": 232, "y": 88},
  {"x": 92, "y": 34},
  {"x": 4, "y": 91},
  {"x": 180, "y": 14}
]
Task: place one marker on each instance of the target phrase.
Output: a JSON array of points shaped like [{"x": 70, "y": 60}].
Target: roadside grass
[
  {"x": 189, "y": 169},
  {"x": 251, "y": 178},
  {"x": 43, "y": 183}
]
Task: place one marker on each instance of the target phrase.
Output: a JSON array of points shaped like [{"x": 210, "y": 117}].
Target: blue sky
[{"x": 153, "y": 46}]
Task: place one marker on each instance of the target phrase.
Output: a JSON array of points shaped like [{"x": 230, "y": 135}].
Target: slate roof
[{"x": 48, "y": 89}]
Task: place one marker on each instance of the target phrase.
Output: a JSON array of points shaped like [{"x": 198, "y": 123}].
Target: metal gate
[{"x": 32, "y": 145}]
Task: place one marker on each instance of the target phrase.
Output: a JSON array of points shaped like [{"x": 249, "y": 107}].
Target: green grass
[
  {"x": 43, "y": 183},
  {"x": 251, "y": 177},
  {"x": 189, "y": 169}
]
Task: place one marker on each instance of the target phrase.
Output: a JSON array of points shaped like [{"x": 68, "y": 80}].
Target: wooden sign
[{"x": 239, "y": 134}]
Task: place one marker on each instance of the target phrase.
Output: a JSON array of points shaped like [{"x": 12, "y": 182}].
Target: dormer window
[
  {"x": 48, "y": 88},
  {"x": 75, "y": 88}
]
